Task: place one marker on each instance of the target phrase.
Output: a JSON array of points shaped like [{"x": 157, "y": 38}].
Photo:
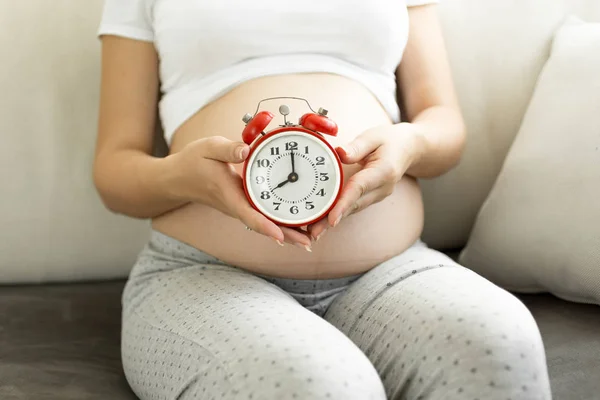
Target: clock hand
[
  {"x": 281, "y": 184},
  {"x": 293, "y": 170}
]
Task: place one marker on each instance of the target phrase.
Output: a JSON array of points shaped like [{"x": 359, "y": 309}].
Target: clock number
[
  {"x": 306, "y": 150},
  {"x": 309, "y": 205},
  {"x": 263, "y": 163},
  {"x": 274, "y": 151},
  {"x": 320, "y": 160},
  {"x": 276, "y": 206},
  {"x": 260, "y": 179},
  {"x": 291, "y": 146},
  {"x": 321, "y": 193},
  {"x": 294, "y": 209},
  {"x": 324, "y": 176},
  {"x": 265, "y": 195}
]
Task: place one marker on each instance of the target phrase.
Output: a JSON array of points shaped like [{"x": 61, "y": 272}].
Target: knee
[
  {"x": 509, "y": 329},
  {"x": 506, "y": 331},
  {"x": 499, "y": 351}
]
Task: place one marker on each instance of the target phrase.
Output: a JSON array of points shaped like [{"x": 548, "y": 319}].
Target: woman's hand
[
  {"x": 385, "y": 153},
  {"x": 203, "y": 173}
]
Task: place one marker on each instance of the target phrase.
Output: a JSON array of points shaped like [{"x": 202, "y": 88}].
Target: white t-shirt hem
[
  {"x": 178, "y": 106},
  {"x": 126, "y": 31},
  {"x": 410, "y": 3}
]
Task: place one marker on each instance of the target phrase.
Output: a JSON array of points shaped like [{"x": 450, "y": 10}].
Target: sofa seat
[{"x": 62, "y": 342}]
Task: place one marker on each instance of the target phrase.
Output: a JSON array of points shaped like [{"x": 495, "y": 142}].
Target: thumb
[
  {"x": 222, "y": 149},
  {"x": 359, "y": 148}
]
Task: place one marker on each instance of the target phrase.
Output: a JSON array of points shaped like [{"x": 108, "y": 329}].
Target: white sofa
[{"x": 63, "y": 257}]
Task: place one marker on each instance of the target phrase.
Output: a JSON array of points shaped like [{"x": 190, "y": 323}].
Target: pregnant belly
[{"x": 357, "y": 244}]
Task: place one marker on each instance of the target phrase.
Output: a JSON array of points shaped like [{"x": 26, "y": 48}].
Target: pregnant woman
[{"x": 222, "y": 303}]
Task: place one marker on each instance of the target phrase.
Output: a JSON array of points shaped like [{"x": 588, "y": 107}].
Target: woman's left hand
[{"x": 385, "y": 153}]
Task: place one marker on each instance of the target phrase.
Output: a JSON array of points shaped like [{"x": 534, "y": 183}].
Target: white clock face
[{"x": 293, "y": 177}]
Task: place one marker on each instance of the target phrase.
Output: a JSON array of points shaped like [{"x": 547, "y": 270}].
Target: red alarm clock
[{"x": 292, "y": 175}]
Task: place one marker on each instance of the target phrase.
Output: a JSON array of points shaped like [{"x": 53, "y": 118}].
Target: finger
[
  {"x": 222, "y": 149},
  {"x": 374, "y": 196},
  {"x": 258, "y": 223},
  {"x": 297, "y": 237},
  {"x": 359, "y": 185},
  {"x": 237, "y": 202},
  {"x": 317, "y": 229},
  {"x": 359, "y": 148}
]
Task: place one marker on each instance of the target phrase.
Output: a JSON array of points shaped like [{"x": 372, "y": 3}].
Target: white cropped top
[{"x": 207, "y": 47}]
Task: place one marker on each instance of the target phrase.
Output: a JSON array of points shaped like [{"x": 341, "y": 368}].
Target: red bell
[
  {"x": 319, "y": 123},
  {"x": 256, "y": 125}
]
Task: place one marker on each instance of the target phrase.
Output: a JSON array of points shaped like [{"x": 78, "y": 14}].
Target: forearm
[
  {"x": 135, "y": 184},
  {"x": 438, "y": 139}
]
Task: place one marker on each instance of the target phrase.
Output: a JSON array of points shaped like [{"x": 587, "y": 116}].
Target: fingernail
[
  {"x": 278, "y": 242},
  {"x": 304, "y": 246},
  {"x": 320, "y": 235},
  {"x": 243, "y": 152},
  {"x": 337, "y": 221}
]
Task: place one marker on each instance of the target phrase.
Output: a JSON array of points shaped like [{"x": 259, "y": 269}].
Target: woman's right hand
[{"x": 203, "y": 173}]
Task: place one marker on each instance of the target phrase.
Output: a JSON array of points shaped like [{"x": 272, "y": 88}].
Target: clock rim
[{"x": 284, "y": 129}]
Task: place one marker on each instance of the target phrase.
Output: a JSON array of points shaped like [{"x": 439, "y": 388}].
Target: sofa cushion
[
  {"x": 62, "y": 342},
  {"x": 537, "y": 230},
  {"x": 497, "y": 49}
]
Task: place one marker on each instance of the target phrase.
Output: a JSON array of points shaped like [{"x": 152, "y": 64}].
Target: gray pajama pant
[{"x": 418, "y": 326}]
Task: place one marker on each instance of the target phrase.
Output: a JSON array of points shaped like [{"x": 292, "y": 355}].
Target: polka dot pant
[{"x": 418, "y": 326}]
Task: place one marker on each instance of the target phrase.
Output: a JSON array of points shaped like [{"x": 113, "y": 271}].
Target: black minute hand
[{"x": 292, "y": 154}]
